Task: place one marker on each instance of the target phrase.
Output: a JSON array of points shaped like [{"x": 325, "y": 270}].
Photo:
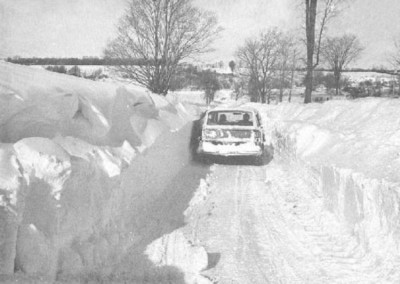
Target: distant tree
[
  {"x": 378, "y": 88},
  {"x": 365, "y": 88},
  {"x": 62, "y": 69},
  {"x": 97, "y": 73},
  {"x": 210, "y": 84},
  {"x": 232, "y": 65},
  {"x": 394, "y": 56},
  {"x": 313, "y": 17},
  {"x": 338, "y": 52},
  {"x": 293, "y": 67},
  {"x": 259, "y": 58},
  {"x": 287, "y": 62},
  {"x": 328, "y": 80},
  {"x": 75, "y": 71},
  {"x": 318, "y": 79},
  {"x": 248, "y": 57},
  {"x": 253, "y": 85},
  {"x": 394, "y": 60},
  {"x": 58, "y": 69},
  {"x": 94, "y": 75},
  {"x": 239, "y": 88},
  {"x": 160, "y": 33}
]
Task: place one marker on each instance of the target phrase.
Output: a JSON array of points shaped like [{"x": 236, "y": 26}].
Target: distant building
[{"x": 320, "y": 98}]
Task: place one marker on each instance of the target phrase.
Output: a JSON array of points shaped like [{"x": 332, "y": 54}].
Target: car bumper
[{"x": 243, "y": 149}]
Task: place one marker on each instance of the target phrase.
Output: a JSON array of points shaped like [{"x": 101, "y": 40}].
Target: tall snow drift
[
  {"x": 68, "y": 182},
  {"x": 363, "y": 135},
  {"x": 349, "y": 151}
]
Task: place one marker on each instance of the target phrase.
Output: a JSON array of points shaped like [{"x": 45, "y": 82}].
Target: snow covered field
[
  {"x": 364, "y": 76},
  {"x": 97, "y": 185}
]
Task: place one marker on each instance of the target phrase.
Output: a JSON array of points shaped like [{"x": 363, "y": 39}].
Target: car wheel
[
  {"x": 259, "y": 160},
  {"x": 201, "y": 158},
  {"x": 196, "y": 157}
]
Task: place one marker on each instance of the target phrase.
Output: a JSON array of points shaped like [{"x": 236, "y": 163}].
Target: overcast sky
[{"x": 75, "y": 28}]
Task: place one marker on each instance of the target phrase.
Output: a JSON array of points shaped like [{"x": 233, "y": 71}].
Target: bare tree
[
  {"x": 259, "y": 58},
  {"x": 394, "y": 56},
  {"x": 338, "y": 52},
  {"x": 283, "y": 63},
  {"x": 232, "y": 65},
  {"x": 239, "y": 87},
  {"x": 248, "y": 60},
  {"x": 155, "y": 36},
  {"x": 313, "y": 16},
  {"x": 294, "y": 60},
  {"x": 394, "y": 60},
  {"x": 287, "y": 62},
  {"x": 210, "y": 84}
]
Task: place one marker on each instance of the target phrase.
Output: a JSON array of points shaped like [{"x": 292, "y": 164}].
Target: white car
[{"x": 232, "y": 132}]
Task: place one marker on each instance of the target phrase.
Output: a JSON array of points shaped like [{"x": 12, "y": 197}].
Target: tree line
[
  {"x": 75, "y": 61},
  {"x": 154, "y": 37},
  {"x": 165, "y": 32}
]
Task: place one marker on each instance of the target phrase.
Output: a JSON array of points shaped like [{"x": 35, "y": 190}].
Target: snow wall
[
  {"x": 81, "y": 165},
  {"x": 348, "y": 152}
]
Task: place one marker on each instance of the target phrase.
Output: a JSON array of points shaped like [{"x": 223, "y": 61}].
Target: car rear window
[{"x": 240, "y": 118}]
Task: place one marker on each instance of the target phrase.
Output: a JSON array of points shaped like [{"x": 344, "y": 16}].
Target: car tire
[
  {"x": 259, "y": 160},
  {"x": 201, "y": 158}
]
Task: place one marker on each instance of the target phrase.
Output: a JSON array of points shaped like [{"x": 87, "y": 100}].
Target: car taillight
[{"x": 210, "y": 133}]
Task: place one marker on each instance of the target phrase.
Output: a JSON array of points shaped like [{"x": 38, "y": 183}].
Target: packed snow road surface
[{"x": 265, "y": 225}]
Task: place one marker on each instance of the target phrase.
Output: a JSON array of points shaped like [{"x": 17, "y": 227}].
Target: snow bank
[
  {"x": 362, "y": 135},
  {"x": 81, "y": 164},
  {"x": 40, "y": 103},
  {"x": 349, "y": 152}
]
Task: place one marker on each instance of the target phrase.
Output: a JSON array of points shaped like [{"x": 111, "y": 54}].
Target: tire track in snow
[
  {"x": 268, "y": 234},
  {"x": 249, "y": 250},
  {"x": 334, "y": 255},
  {"x": 269, "y": 226},
  {"x": 232, "y": 229}
]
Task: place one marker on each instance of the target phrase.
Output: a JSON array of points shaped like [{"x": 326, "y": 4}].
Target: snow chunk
[
  {"x": 110, "y": 159},
  {"x": 44, "y": 159},
  {"x": 9, "y": 169},
  {"x": 175, "y": 250}
]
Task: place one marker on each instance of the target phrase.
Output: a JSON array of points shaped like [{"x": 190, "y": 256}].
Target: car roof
[{"x": 248, "y": 109}]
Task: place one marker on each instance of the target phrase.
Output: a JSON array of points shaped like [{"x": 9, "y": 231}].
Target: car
[{"x": 231, "y": 132}]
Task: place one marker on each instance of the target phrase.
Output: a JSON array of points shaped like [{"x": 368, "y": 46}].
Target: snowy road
[{"x": 263, "y": 225}]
